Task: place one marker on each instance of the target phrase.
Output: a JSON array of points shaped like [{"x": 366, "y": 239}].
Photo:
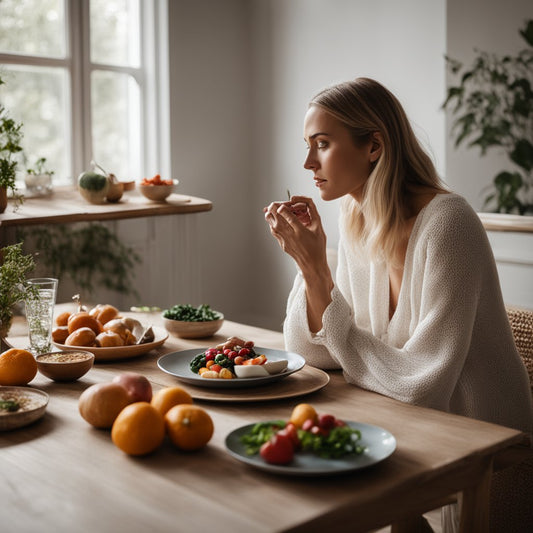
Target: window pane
[
  {"x": 115, "y": 33},
  {"x": 33, "y": 27},
  {"x": 115, "y": 112},
  {"x": 39, "y": 98}
]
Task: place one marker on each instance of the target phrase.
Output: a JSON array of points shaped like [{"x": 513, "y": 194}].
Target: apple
[{"x": 137, "y": 386}]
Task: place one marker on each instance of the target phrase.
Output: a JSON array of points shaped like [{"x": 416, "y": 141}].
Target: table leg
[{"x": 475, "y": 503}]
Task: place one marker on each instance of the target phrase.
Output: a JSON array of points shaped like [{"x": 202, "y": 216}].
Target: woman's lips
[{"x": 319, "y": 182}]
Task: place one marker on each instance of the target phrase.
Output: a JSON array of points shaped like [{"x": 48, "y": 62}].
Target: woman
[{"x": 416, "y": 312}]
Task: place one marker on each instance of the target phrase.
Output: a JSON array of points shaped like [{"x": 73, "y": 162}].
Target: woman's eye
[{"x": 322, "y": 144}]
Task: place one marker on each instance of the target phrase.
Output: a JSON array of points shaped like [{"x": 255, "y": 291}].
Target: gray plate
[
  {"x": 378, "y": 443},
  {"x": 177, "y": 364}
]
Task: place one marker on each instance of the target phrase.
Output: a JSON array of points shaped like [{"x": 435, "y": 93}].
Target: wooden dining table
[{"x": 60, "y": 474}]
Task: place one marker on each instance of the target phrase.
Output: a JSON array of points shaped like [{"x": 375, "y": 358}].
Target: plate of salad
[
  {"x": 186, "y": 365},
  {"x": 346, "y": 447}
]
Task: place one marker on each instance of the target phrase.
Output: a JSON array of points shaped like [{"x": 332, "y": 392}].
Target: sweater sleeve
[{"x": 448, "y": 269}]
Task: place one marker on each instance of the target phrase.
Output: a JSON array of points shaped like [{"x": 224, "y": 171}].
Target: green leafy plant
[
  {"x": 13, "y": 271},
  {"x": 40, "y": 168},
  {"x": 91, "y": 255},
  {"x": 493, "y": 107},
  {"x": 10, "y": 139}
]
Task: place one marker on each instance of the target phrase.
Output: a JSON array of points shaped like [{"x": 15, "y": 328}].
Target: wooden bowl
[
  {"x": 193, "y": 330},
  {"x": 158, "y": 193},
  {"x": 32, "y": 402},
  {"x": 68, "y": 365}
]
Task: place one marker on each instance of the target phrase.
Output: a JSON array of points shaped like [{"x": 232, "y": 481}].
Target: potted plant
[
  {"x": 13, "y": 271},
  {"x": 493, "y": 107},
  {"x": 38, "y": 180},
  {"x": 10, "y": 137}
]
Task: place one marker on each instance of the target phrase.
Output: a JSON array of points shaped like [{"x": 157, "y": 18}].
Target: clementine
[
  {"x": 189, "y": 426},
  {"x": 17, "y": 367},
  {"x": 138, "y": 429},
  {"x": 301, "y": 413},
  {"x": 168, "y": 397}
]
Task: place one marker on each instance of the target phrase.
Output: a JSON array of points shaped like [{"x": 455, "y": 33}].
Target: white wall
[
  {"x": 241, "y": 74},
  {"x": 301, "y": 46}
]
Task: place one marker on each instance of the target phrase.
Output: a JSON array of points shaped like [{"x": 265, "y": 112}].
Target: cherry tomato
[
  {"x": 317, "y": 430},
  {"x": 292, "y": 431},
  {"x": 210, "y": 356},
  {"x": 308, "y": 424},
  {"x": 326, "y": 421},
  {"x": 279, "y": 450},
  {"x": 243, "y": 352},
  {"x": 238, "y": 360},
  {"x": 215, "y": 367}
]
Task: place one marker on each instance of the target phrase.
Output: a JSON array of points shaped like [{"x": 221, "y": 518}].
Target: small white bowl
[
  {"x": 193, "y": 330},
  {"x": 158, "y": 193}
]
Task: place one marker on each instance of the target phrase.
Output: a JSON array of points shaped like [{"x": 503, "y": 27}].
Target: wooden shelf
[
  {"x": 65, "y": 205},
  {"x": 502, "y": 222}
]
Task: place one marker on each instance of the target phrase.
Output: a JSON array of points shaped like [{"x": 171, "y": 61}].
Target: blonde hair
[{"x": 378, "y": 222}]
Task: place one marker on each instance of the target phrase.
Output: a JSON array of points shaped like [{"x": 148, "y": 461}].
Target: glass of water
[{"x": 40, "y": 302}]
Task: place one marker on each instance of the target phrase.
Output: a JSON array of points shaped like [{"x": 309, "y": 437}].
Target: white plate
[
  {"x": 178, "y": 364},
  {"x": 113, "y": 353},
  {"x": 378, "y": 443}
]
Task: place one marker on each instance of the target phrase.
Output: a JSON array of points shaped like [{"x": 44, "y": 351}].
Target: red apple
[{"x": 138, "y": 387}]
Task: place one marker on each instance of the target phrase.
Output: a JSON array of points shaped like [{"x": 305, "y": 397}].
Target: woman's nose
[{"x": 310, "y": 162}]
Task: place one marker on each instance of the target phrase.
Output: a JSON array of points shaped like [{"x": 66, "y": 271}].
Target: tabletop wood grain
[{"x": 62, "y": 475}]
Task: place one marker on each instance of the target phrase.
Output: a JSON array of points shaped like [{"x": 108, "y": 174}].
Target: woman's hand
[{"x": 297, "y": 227}]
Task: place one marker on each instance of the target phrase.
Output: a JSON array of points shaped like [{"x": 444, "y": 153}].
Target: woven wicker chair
[{"x": 522, "y": 325}]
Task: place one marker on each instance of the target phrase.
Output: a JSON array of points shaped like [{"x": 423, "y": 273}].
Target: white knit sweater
[{"x": 448, "y": 346}]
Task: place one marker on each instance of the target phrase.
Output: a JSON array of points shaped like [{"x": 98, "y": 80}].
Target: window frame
[{"x": 151, "y": 76}]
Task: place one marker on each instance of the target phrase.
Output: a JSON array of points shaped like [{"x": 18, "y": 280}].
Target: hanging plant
[
  {"x": 493, "y": 107},
  {"x": 91, "y": 255}
]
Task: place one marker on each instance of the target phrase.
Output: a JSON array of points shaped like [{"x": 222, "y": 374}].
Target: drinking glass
[{"x": 40, "y": 302}]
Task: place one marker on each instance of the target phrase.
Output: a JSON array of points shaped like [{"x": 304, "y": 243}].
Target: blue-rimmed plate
[
  {"x": 178, "y": 364},
  {"x": 378, "y": 443}
]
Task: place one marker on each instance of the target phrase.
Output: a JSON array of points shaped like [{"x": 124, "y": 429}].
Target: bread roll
[
  {"x": 60, "y": 334},
  {"x": 83, "y": 319},
  {"x": 81, "y": 337},
  {"x": 109, "y": 338}
]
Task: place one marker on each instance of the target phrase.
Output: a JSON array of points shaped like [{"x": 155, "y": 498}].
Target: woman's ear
[{"x": 376, "y": 146}]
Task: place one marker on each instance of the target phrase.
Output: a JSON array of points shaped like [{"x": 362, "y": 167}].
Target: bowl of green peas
[{"x": 189, "y": 322}]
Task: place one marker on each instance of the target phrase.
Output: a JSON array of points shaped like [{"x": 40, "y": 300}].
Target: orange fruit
[
  {"x": 189, "y": 426},
  {"x": 138, "y": 429},
  {"x": 168, "y": 397},
  {"x": 101, "y": 403},
  {"x": 301, "y": 413},
  {"x": 17, "y": 367}
]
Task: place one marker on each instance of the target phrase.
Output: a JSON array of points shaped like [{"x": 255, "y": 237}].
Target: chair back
[{"x": 522, "y": 326}]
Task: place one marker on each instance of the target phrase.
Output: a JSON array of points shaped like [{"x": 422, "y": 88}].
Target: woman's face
[{"x": 339, "y": 166}]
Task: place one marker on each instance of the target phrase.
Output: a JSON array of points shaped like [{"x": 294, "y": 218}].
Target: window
[{"x": 83, "y": 77}]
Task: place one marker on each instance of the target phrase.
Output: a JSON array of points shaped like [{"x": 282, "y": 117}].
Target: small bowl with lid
[{"x": 68, "y": 365}]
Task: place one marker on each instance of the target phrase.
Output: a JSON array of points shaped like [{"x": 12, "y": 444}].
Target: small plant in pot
[
  {"x": 14, "y": 267},
  {"x": 493, "y": 108},
  {"x": 38, "y": 179},
  {"x": 10, "y": 137}
]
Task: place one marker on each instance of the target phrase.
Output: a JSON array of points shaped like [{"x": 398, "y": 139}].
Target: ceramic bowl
[
  {"x": 32, "y": 405},
  {"x": 193, "y": 330},
  {"x": 68, "y": 365},
  {"x": 158, "y": 193}
]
